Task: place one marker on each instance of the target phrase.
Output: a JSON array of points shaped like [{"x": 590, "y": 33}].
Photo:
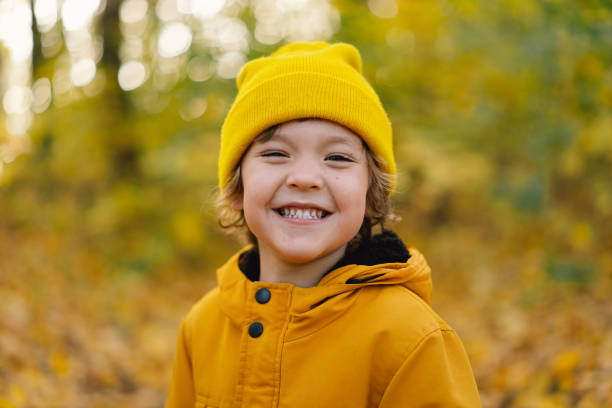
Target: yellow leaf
[
  {"x": 566, "y": 362},
  {"x": 59, "y": 363},
  {"x": 188, "y": 230},
  {"x": 4, "y": 403},
  {"x": 588, "y": 402},
  {"x": 17, "y": 396},
  {"x": 582, "y": 235}
]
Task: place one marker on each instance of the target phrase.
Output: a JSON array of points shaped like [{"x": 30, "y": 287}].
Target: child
[{"x": 317, "y": 312}]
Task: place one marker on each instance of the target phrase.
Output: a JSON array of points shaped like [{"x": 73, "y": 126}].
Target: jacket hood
[{"x": 383, "y": 260}]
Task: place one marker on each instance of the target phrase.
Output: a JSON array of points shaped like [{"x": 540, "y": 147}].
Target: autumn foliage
[{"x": 502, "y": 115}]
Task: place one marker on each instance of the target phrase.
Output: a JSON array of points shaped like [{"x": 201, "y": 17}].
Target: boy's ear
[{"x": 237, "y": 203}]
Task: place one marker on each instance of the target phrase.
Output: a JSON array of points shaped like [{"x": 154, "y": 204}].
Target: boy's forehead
[{"x": 325, "y": 131}]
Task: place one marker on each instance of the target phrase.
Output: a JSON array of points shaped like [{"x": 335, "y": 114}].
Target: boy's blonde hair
[{"x": 378, "y": 203}]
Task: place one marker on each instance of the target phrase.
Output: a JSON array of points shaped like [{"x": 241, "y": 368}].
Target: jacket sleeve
[
  {"x": 437, "y": 373},
  {"x": 182, "y": 392}
]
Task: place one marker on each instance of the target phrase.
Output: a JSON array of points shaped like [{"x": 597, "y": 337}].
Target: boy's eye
[
  {"x": 339, "y": 157},
  {"x": 273, "y": 153}
]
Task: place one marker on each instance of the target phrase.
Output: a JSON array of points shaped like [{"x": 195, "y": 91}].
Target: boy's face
[{"x": 305, "y": 190}]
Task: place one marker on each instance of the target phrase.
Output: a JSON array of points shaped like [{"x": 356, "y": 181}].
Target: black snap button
[
  {"x": 255, "y": 329},
  {"x": 262, "y": 296}
]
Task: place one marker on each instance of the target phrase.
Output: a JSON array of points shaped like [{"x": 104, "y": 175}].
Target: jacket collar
[
  {"x": 410, "y": 270},
  {"x": 385, "y": 247}
]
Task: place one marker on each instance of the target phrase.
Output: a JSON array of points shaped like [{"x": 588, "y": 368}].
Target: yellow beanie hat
[{"x": 304, "y": 80}]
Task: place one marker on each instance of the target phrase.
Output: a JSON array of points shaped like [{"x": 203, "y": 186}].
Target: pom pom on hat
[{"x": 304, "y": 80}]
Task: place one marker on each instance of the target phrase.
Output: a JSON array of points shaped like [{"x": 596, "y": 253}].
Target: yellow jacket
[{"x": 371, "y": 342}]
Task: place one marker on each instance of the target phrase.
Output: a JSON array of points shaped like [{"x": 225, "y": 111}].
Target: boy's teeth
[{"x": 302, "y": 213}]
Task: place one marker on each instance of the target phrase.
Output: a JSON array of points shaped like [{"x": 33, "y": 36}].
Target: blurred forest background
[{"x": 110, "y": 118}]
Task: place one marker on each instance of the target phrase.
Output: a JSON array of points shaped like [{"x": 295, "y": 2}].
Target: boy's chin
[
  {"x": 299, "y": 258},
  {"x": 307, "y": 255}
]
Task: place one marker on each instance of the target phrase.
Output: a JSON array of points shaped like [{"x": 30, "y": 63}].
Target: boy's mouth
[{"x": 302, "y": 213}]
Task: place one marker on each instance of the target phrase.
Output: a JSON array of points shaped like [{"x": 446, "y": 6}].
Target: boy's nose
[{"x": 305, "y": 176}]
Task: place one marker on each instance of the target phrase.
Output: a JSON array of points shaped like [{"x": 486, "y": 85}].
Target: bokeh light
[
  {"x": 202, "y": 8},
  {"x": 304, "y": 20},
  {"x": 167, "y": 10},
  {"x": 83, "y": 72},
  {"x": 17, "y": 99},
  {"x": 16, "y": 29},
  {"x": 174, "y": 39},
  {"x": 61, "y": 81},
  {"x": 78, "y": 13},
  {"x": 46, "y": 14},
  {"x": 132, "y": 75},
  {"x": 132, "y": 11},
  {"x": 41, "y": 95},
  {"x": 18, "y": 124},
  {"x": 229, "y": 64},
  {"x": 166, "y": 41},
  {"x": 193, "y": 109},
  {"x": 51, "y": 42},
  {"x": 131, "y": 48},
  {"x": 200, "y": 69},
  {"x": 383, "y": 8}
]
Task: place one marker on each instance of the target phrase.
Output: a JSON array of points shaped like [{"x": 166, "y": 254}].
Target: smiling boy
[
  {"x": 304, "y": 198},
  {"x": 317, "y": 312}
]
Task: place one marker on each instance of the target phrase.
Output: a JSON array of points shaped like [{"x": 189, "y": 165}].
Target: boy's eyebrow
[{"x": 333, "y": 138}]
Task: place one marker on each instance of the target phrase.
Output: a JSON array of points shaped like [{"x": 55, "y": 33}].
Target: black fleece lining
[{"x": 385, "y": 247}]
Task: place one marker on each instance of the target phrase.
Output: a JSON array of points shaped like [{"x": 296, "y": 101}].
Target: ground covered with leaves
[{"x": 73, "y": 333}]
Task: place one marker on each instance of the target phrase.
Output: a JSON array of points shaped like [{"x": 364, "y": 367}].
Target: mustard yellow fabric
[
  {"x": 304, "y": 80},
  {"x": 371, "y": 344}
]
